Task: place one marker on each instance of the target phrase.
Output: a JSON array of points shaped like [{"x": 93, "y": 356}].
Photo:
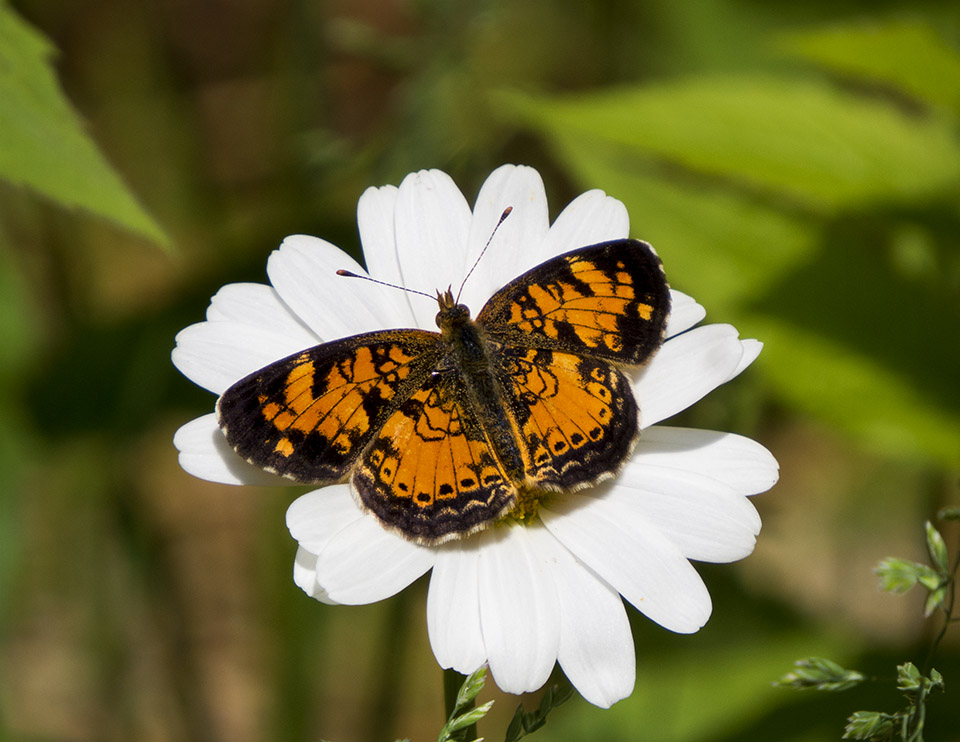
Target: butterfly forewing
[
  {"x": 309, "y": 416},
  {"x": 609, "y": 300}
]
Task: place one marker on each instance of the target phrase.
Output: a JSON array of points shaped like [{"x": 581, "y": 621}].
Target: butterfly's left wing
[
  {"x": 608, "y": 301},
  {"x": 308, "y": 417}
]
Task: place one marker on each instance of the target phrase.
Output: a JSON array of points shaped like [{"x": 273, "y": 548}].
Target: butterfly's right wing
[{"x": 309, "y": 416}]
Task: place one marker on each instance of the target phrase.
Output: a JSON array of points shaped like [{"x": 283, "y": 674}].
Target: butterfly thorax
[{"x": 471, "y": 358}]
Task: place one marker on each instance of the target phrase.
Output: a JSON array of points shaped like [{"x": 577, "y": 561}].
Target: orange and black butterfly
[{"x": 440, "y": 433}]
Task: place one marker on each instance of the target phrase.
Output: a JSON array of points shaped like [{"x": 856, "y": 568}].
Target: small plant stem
[
  {"x": 948, "y": 614},
  {"x": 452, "y": 681}
]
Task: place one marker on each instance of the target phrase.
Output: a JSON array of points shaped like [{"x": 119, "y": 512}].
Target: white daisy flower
[{"x": 518, "y": 597}]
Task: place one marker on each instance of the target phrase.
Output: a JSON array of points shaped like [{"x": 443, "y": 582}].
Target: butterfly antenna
[
  {"x": 351, "y": 274},
  {"x": 504, "y": 215}
]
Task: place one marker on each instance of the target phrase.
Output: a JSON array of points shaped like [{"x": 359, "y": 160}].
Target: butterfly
[{"x": 441, "y": 432}]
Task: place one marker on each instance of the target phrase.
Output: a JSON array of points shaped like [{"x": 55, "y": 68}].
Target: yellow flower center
[{"x": 524, "y": 511}]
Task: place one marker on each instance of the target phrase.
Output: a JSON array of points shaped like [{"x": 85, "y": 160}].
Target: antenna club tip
[
  {"x": 506, "y": 212},
  {"x": 348, "y": 274}
]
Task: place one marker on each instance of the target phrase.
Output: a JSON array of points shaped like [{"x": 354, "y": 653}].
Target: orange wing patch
[{"x": 591, "y": 308}]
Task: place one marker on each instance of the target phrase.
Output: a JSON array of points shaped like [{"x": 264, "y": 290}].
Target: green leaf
[
  {"x": 42, "y": 143},
  {"x": 909, "y": 424},
  {"x": 471, "y": 687},
  {"x": 934, "y": 600},
  {"x": 559, "y": 694},
  {"x": 870, "y": 725},
  {"x": 937, "y": 549},
  {"x": 899, "y": 575},
  {"x": 907, "y": 55},
  {"x": 908, "y": 677},
  {"x": 470, "y": 717},
  {"x": 801, "y": 138},
  {"x": 821, "y": 674},
  {"x": 515, "y": 727},
  {"x": 936, "y": 679},
  {"x": 524, "y": 723},
  {"x": 951, "y": 512},
  {"x": 930, "y": 579}
]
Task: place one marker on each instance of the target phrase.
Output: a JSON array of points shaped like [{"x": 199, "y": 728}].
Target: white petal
[
  {"x": 304, "y": 273},
  {"x": 316, "y": 517},
  {"x": 432, "y": 224},
  {"x": 633, "y": 557},
  {"x": 518, "y": 609},
  {"x": 363, "y": 563},
  {"x": 305, "y": 576},
  {"x": 376, "y": 213},
  {"x": 685, "y": 369},
  {"x": 453, "y": 609},
  {"x": 215, "y": 355},
  {"x": 685, "y": 312},
  {"x": 596, "y": 647},
  {"x": 516, "y": 247},
  {"x": 751, "y": 351},
  {"x": 738, "y": 462},
  {"x": 590, "y": 218},
  {"x": 259, "y": 305},
  {"x": 706, "y": 519},
  {"x": 376, "y": 219},
  {"x": 205, "y": 453}
]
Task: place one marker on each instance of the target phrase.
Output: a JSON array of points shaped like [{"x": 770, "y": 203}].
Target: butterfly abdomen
[{"x": 470, "y": 356}]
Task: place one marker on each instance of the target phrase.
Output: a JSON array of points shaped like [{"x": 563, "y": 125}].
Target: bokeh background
[{"x": 796, "y": 164}]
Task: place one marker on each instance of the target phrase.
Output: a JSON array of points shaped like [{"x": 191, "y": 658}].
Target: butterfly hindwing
[
  {"x": 609, "y": 300},
  {"x": 576, "y": 416},
  {"x": 430, "y": 472},
  {"x": 309, "y": 416}
]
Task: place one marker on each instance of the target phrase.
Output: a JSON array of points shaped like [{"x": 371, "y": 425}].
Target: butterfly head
[{"x": 451, "y": 315}]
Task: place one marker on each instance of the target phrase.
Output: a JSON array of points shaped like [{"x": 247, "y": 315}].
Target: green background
[{"x": 797, "y": 166}]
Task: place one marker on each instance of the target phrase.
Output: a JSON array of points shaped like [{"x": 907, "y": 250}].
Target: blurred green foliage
[
  {"x": 42, "y": 143},
  {"x": 797, "y": 166}
]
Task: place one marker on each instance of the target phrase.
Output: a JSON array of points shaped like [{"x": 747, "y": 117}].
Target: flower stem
[
  {"x": 452, "y": 682},
  {"x": 394, "y": 638}
]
